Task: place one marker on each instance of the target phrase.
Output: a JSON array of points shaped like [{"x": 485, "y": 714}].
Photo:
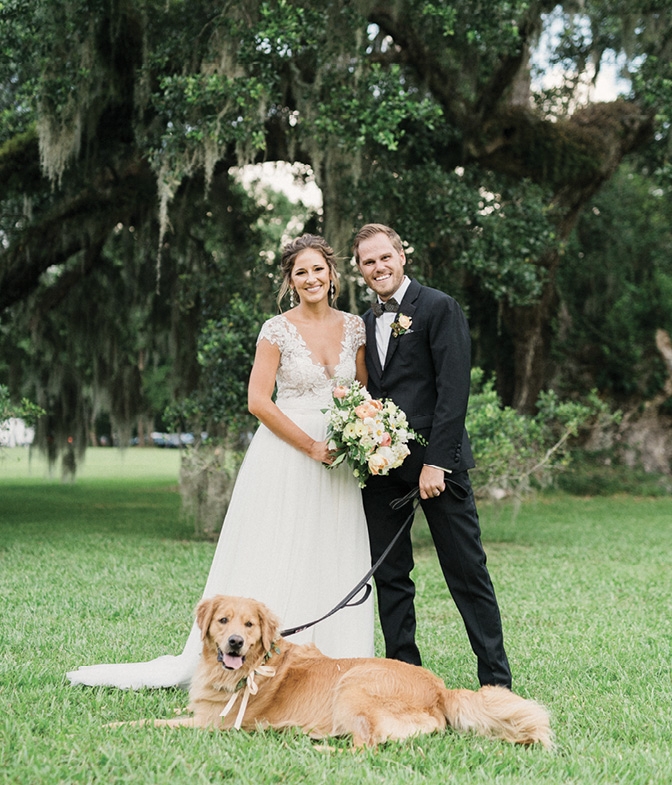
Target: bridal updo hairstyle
[{"x": 293, "y": 249}]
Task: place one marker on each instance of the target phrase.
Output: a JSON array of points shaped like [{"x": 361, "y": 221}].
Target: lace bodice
[{"x": 299, "y": 380}]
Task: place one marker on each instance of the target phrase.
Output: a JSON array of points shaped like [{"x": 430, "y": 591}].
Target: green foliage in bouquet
[{"x": 370, "y": 435}]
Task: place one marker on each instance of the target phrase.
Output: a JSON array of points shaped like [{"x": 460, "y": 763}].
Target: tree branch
[
  {"x": 570, "y": 154},
  {"x": 71, "y": 224}
]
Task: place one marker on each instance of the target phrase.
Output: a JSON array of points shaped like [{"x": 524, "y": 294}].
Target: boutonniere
[{"x": 401, "y": 325}]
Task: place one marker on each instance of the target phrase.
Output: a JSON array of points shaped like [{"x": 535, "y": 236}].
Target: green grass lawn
[{"x": 105, "y": 570}]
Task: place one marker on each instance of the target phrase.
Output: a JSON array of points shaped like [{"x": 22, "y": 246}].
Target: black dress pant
[{"x": 453, "y": 523}]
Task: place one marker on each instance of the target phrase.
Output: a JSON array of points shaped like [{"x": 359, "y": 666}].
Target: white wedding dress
[{"x": 294, "y": 535}]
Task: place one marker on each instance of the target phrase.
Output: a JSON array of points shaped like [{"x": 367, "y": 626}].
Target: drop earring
[
  {"x": 332, "y": 291},
  {"x": 291, "y": 298}
]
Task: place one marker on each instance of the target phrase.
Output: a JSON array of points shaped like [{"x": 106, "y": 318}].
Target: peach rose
[
  {"x": 365, "y": 410},
  {"x": 377, "y": 463},
  {"x": 381, "y": 460},
  {"x": 340, "y": 392}
]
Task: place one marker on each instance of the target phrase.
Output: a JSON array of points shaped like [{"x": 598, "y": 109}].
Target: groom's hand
[{"x": 432, "y": 482}]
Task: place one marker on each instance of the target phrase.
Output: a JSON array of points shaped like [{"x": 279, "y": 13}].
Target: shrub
[
  {"x": 25, "y": 410},
  {"x": 209, "y": 469},
  {"x": 516, "y": 453}
]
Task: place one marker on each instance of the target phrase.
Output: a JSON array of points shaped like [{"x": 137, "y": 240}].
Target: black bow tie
[{"x": 380, "y": 308}]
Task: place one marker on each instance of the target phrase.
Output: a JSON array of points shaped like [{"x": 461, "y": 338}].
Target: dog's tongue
[{"x": 233, "y": 661}]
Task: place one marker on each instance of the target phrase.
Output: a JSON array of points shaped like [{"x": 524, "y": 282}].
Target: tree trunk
[{"x": 531, "y": 333}]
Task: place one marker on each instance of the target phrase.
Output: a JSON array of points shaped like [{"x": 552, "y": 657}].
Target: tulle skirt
[{"x": 295, "y": 538}]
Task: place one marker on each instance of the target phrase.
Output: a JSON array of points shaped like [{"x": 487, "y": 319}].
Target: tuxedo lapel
[{"x": 407, "y": 307}]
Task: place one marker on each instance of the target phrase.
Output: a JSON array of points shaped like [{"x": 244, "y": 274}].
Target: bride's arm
[
  {"x": 362, "y": 375},
  {"x": 260, "y": 403}
]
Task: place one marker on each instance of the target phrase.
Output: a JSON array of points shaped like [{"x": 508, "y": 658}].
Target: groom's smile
[{"x": 381, "y": 265}]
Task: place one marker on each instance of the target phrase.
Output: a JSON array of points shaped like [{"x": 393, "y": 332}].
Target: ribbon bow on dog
[{"x": 251, "y": 688}]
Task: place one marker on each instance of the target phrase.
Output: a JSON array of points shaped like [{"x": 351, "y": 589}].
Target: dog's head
[{"x": 240, "y": 631}]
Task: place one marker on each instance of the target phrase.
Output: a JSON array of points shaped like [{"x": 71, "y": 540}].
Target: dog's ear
[
  {"x": 204, "y": 612},
  {"x": 270, "y": 626}
]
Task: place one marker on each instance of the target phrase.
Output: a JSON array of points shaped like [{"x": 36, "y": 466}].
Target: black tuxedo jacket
[{"x": 427, "y": 374}]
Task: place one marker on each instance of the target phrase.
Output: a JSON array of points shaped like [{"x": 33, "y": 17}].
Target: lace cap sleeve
[
  {"x": 273, "y": 331},
  {"x": 356, "y": 329},
  {"x": 361, "y": 331}
]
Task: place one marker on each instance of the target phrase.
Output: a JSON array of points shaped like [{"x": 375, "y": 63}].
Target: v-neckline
[{"x": 324, "y": 368}]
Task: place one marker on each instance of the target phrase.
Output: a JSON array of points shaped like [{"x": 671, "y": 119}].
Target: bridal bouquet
[{"x": 370, "y": 435}]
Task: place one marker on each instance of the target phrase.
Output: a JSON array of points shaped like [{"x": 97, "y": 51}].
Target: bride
[{"x": 294, "y": 536}]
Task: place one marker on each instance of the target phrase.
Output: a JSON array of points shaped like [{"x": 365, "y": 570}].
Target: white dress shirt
[{"x": 385, "y": 320}]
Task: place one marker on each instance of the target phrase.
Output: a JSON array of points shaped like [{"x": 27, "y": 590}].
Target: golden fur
[{"x": 372, "y": 700}]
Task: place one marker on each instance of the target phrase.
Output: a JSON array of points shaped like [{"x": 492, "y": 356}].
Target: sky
[{"x": 280, "y": 175}]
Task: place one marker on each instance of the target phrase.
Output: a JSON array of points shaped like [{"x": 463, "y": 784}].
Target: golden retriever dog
[{"x": 249, "y": 677}]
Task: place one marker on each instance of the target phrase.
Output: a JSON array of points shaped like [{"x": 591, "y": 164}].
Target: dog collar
[{"x": 251, "y": 688}]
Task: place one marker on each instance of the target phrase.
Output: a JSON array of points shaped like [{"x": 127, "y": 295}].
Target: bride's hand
[{"x": 320, "y": 452}]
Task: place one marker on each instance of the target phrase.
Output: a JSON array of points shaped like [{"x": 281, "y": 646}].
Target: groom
[{"x": 418, "y": 354}]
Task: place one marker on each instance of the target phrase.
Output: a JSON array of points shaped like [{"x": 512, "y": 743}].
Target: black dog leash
[{"x": 363, "y": 584}]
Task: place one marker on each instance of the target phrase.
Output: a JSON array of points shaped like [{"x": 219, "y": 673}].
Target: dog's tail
[{"x": 498, "y": 713}]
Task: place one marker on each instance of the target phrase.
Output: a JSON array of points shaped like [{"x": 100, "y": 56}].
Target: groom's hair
[{"x": 369, "y": 230}]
